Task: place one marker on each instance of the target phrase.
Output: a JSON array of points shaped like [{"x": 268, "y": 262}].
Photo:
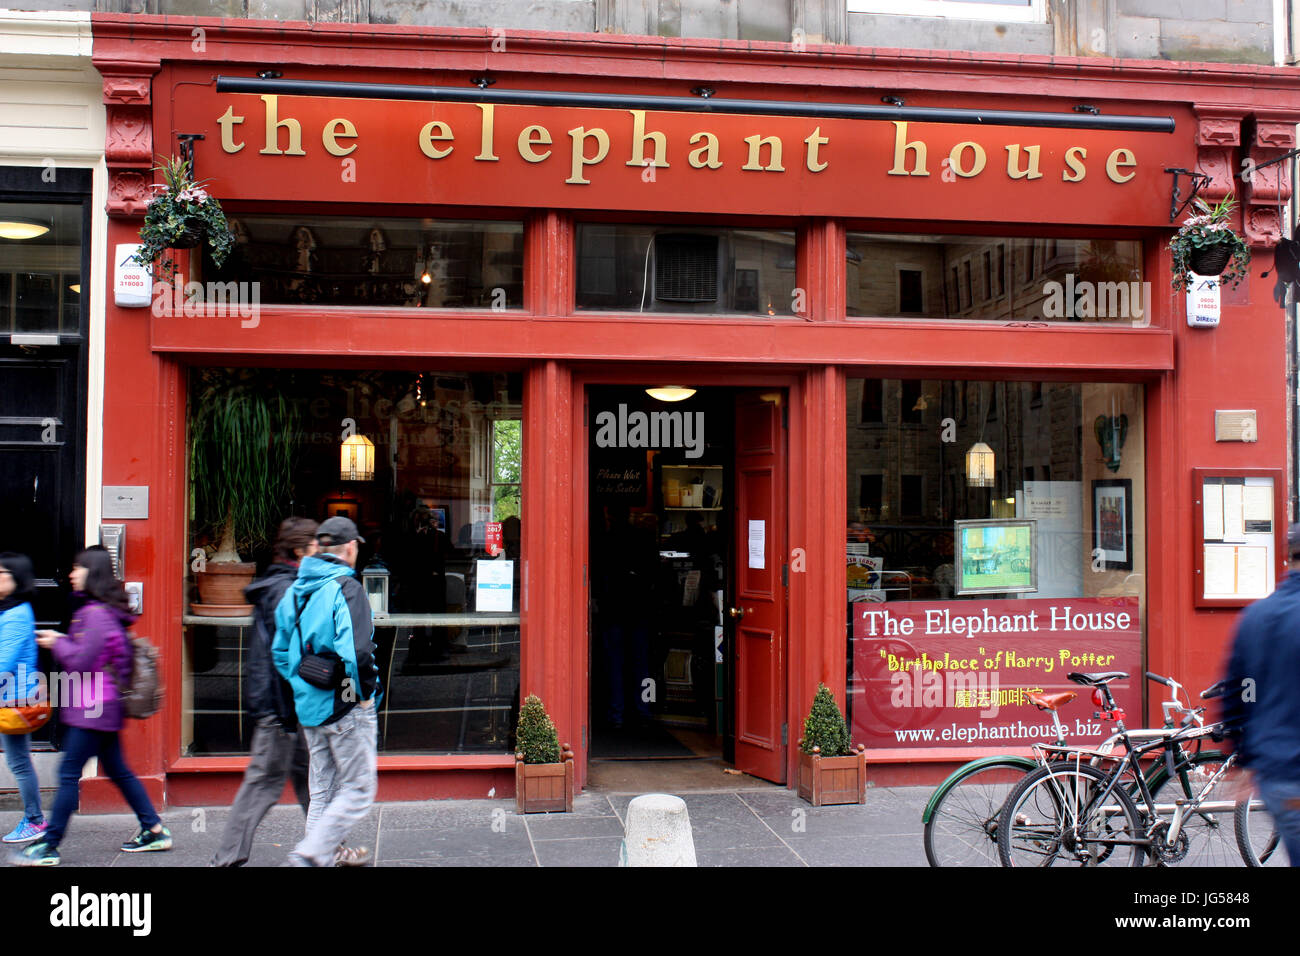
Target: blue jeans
[
  {"x": 1282, "y": 797},
  {"x": 627, "y": 657},
  {"x": 18, "y": 756},
  {"x": 79, "y": 745}
]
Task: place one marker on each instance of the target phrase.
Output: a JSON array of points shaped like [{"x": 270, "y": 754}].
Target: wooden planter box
[
  {"x": 827, "y": 781},
  {"x": 544, "y": 787}
]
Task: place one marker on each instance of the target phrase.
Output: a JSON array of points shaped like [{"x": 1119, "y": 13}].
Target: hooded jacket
[
  {"x": 269, "y": 694},
  {"x": 326, "y": 609},
  {"x": 18, "y": 673},
  {"x": 82, "y": 687}
]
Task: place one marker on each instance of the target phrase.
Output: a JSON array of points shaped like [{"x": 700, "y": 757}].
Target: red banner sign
[
  {"x": 958, "y": 673},
  {"x": 495, "y": 543}
]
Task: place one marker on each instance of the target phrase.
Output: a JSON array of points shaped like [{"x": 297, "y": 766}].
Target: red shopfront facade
[{"x": 824, "y": 381}]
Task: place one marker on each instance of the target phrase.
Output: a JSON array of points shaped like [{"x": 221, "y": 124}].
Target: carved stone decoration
[
  {"x": 1218, "y": 133},
  {"x": 1264, "y": 189},
  {"x": 128, "y": 140}
]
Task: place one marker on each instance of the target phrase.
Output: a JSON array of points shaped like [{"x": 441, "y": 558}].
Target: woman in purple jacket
[{"x": 93, "y": 659}]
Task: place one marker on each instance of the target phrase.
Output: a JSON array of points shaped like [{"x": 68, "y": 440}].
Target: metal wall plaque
[
  {"x": 126, "y": 501},
  {"x": 1235, "y": 424}
]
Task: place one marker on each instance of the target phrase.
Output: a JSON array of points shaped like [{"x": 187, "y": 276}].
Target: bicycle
[
  {"x": 1071, "y": 811},
  {"x": 961, "y": 817}
]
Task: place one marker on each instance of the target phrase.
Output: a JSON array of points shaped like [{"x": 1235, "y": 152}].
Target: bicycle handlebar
[{"x": 1159, "y": 680}]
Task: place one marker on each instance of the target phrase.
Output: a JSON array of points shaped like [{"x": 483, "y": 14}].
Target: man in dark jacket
[
  {"x": 1262, "y": 698},
  {"x": 279, "y": 747}
]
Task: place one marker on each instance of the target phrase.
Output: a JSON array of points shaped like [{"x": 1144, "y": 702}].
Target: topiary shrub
[
  {"x": 824, "y": 726},
  {"x": 536, "y": 740}
]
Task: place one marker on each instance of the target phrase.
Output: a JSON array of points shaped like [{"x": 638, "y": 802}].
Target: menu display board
[{"x": 1238, "y": 557}]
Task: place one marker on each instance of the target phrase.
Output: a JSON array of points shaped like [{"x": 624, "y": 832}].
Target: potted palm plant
[
  {"x": 543, "y": 769},
  {"x": 181, "y": 215},
  {"x": 242, "y": 437},
  {"x": 830, "y": 770},
  {"x": 1207, "y": 245}
]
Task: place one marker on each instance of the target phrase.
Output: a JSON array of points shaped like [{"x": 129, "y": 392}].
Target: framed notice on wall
[{"x": 1240, "y": 519}]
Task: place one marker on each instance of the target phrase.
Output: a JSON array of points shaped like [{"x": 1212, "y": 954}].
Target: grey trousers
[
  {"x": 275, "y": 754},
  {"x": 343, "y": 783}
]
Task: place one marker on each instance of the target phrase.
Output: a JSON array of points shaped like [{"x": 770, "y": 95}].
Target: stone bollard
[{"x": 658, "y": 832}]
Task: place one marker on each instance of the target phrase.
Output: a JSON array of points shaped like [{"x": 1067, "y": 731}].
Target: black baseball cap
[{"x": 338, "y": 530}]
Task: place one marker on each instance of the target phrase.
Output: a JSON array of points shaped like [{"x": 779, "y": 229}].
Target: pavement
[{"x": 741, "y": 827}]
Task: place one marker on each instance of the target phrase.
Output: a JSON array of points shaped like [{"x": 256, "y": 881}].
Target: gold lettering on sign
[
  {"x": 273, "y": 126},
  {"x": 487, "y": 120},
  {"x": 902, "y": 147},
  {"x": 1117, "y": 158},
  {"x": 227, "y": 121},
  {"x": 639, "y": 137},
  {"x": 814, "y": 142},
  {"x": 958, "y": 151},
  {"x": 706, "y": 156},
  {"x": 578, "y": 152},
  {"x": 756, "y": 144},
  {"x": 1013, "y": 162},
  {"x": 1074, "y": 157},
  {"x": 531, "y": 136},
  {"x": 435, "y": 132},
  {"x": 330, "y": 136}
]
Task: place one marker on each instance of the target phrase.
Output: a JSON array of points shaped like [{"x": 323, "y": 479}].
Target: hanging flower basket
[
  {"x": 181, "y": 216},
  {"x": 1206, "y": 245}
]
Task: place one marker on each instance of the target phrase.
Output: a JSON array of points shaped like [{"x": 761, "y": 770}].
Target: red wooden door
[{"x": 758, "y": 611}]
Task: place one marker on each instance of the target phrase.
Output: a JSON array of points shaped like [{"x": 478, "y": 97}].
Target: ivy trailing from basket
[
  {"x": 1207, "y": 230},
  {"x": 824, "y": 726},
  {"x": 181, "y": 215},
  {"x": 536, "y": 740}
]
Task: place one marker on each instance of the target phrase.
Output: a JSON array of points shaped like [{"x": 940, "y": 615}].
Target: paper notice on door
[
  {"x": 494, "y": 585},
  {"x": 758, "y": 544},
  {"x": 1233, "y": 529},
  {"x": 1212, "y": 495}
]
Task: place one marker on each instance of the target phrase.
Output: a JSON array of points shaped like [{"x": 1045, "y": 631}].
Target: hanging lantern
[
  {"x": 979, "y": 466},
  {"x": 357, "y": 459},
  {"x": 375, "y": 580}
]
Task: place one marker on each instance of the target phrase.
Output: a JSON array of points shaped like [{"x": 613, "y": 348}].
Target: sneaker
[
  {"x": 148, "y": 840},
  {"x": 351, "y": 856},
  {"x": 39, "y": 853},
  {"x": 25, "y": 832}
]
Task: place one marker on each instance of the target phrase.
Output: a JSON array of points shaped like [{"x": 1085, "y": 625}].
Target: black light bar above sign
[{"x": 694, "y": 104}]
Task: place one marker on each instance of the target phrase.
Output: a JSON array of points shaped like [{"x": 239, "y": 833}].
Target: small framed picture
[
  {"x": 996, "y": 557},
  {"x": 343, "y": 508},
  {"x": 1112, "y": 523}
]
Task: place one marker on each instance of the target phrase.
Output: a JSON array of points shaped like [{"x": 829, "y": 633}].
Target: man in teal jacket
[{"x": 326, "y": 611}]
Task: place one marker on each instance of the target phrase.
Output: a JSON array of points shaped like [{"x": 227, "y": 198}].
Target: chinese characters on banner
[{"x": 957, "y": 673}]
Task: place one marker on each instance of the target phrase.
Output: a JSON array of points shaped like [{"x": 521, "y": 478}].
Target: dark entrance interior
[{"x": 660, "y": 484}]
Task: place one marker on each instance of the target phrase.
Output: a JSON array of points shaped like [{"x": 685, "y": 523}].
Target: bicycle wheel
[
  {"x": 962, "y": 826},
  {"x": 1211, "y": 835},
  {"x": 1055, "y": 816},
  {"x": 1257, "y": 836}
]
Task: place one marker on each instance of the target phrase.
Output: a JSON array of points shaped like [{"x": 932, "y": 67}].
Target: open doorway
[{"x": 660, "y": 558}]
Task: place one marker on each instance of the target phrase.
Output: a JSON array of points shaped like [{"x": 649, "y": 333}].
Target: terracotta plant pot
[
  {"x": 828, "y": 781},
  {"x": 222, "y": 585},
  {"x": 1211, "y": 260},
  {"x": 544, "y": 787}
]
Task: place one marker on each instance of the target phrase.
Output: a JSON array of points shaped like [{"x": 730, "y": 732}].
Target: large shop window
[
  {"x": 623, "y": 268},
  {"x": 995, "y": 545},
  {"x": 997, "y": 279},
  {"x": 428, "y": 465},
  {"x": 360, "y": 261}
]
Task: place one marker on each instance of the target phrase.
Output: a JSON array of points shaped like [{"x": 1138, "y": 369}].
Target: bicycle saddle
[
  {"x": 1052, "y": 701},
  {"x": 1097, "y": 680}
]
